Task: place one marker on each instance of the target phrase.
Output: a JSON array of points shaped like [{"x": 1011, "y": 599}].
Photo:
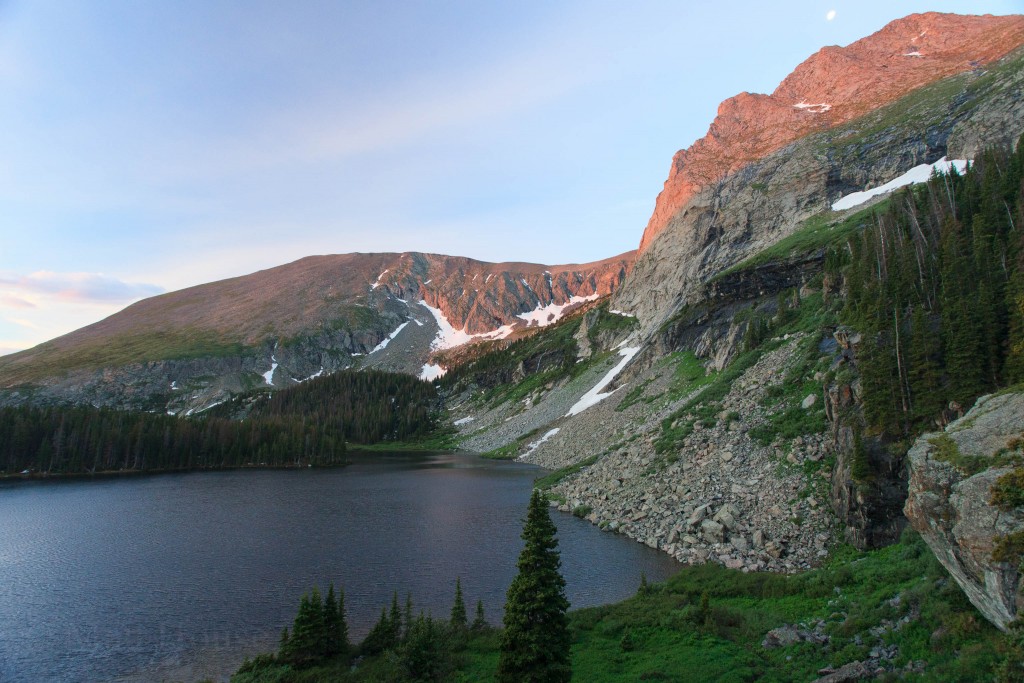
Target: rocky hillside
[
  {"x": 924, "y": 87},
  {"x": 187, "y": 349}
]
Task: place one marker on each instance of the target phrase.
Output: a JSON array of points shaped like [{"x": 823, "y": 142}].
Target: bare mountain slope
[{"x": 320, "y": 313}]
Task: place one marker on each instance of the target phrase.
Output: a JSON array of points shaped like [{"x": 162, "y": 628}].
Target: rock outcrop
[
  {"x": 949, "y": 503},
  {"x": 768, "y": 165},
  {"x": 869, "y": 508}
]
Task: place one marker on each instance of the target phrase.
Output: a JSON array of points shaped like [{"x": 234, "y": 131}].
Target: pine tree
[
  {"x": 305, "y": 646},
  {"x": 379, "y": 638},
  {"x": 458, "y": 618},
  {"x": 395, "y": 620},
  {"x": 535, "y": 644},
  {"x": 479, "y": 622},
  {"x": 407, "y": 619},
  {"x": 335, "y": 628}
]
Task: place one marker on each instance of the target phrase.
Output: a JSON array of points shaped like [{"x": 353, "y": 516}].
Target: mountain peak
[{"x": 833, "y": 86}]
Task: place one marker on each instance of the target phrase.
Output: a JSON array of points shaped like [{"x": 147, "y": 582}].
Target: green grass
[
  {"x": 506, "y": 452},
  {"x": 50, "y": 360},
  {"x": 677, "y": 426},
  {"x": 817, "y": 232},
  {"x": 662, "y": 634},
  {"x": 549, "y": 480},
  {"x": 707, "y": 623}
]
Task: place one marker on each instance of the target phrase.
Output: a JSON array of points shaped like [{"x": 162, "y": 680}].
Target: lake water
[{"x": 178, "y": 577}]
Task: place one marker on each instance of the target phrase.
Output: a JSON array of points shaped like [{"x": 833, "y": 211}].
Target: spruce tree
[
  {"x": 535, "y": 644},
  {"x": 407, "y": 619},
  {"x": 335, "y": 628},
  {"x": 479, "y": 622},
  {"x": 458, "y": 618},
  {"x": 305, "y": 646},
  {"x": 380, "y": 637}
]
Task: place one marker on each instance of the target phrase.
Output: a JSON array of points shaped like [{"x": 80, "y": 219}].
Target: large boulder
[{"x": 949, "y": 501}]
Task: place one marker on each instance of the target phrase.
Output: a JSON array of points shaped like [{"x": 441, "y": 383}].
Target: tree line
[
  {"x": 307, "y": 424},
  {"x": 936, "y": 286}
]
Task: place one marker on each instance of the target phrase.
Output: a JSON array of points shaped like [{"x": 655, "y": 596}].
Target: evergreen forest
[
  {"x": 936, "y": 288},
  {"x": 307, "y": 424}
]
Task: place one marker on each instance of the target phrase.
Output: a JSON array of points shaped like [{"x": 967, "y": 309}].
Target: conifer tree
[
  {"x": 535, "y": 644},
  {"x": 458, "y": 618},
  {"x": 335, "y": 628},
  {"x": 395, "y": 620},
  {"x": 479, "y": 622},
  {"x": 407, "y": 618},
  {"x": 379, "y": 638},
  {"x": 305, "y": 646}
]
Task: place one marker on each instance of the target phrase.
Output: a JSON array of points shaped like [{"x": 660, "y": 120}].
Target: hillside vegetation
[{"x": 307, "y": 424}]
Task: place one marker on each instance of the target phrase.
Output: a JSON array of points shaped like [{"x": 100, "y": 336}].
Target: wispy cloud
[
  {"x": 7, "y": 301},
  {"x": 24, "y": 323},
  {"x": 72, "y": 287}
]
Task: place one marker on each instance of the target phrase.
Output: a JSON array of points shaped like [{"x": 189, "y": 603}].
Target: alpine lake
[{"x": 179, "y": 577}]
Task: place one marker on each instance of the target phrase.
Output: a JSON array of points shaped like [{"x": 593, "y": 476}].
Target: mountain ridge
[{"x": 904, "y": 55}]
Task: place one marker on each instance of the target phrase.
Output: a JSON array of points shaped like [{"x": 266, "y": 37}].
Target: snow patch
[
  {"x": 313, "y": 376},
  {"x": 448, "y": 337},
  {"x": 205, "y": 408},
  {"x": 387, "y": 340},
  {"x": 623, "y": 314},
  {"x": 543, "y": 316},
  {"x": 536, "y": 444},
  {"x": 431, "y": 372},
  {"x": 376, "y": 284},
  {"x": 594, "y": 396},
  {"x": 418, "y": 322},
  {"x": 463, "y": 421},
  {"x": 820, "y": 108},
  {"x": 429, "y": 281},
  {"x": 915, "y": 53},
  {"x": 487, "y": 279},
  {"x": 918, "y": 174},
  {"x": 268, "y": 376},
  {"x": 174, "y": 385}
]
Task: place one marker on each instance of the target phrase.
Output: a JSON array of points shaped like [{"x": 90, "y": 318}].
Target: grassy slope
[{"x": 897, "y": 596}]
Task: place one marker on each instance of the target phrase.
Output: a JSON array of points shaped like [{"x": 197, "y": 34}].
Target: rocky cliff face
[
  {"x": 833, "y": 86},
  {"x": 768, "y": 164},
  {"x": 186, "y": 349},
  {"x": 951, "y": 478}
]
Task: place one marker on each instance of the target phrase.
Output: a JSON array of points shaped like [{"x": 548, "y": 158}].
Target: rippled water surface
[{"x": 179, "y": 577}]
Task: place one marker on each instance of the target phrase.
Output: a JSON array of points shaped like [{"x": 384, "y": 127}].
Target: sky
[{"x": 146, "y": 147}]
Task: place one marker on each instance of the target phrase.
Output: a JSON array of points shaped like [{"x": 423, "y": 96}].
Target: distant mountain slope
[{"x": 283, "y": 324}]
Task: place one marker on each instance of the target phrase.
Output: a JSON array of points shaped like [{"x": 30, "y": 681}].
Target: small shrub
[{"x": 1008, "y": 491}]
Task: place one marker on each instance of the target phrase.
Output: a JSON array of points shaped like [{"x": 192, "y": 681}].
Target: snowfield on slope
[
  {"x": 387, "y": 340},
  {"x": 918, "y": 174},
  {"x": 594, "y": 396},
  {"x": 448, "y": 337},
  {"x": 542, "y": 316}
]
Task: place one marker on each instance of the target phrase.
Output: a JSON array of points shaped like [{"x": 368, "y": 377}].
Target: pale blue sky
[{"x": 150, "y": 146}]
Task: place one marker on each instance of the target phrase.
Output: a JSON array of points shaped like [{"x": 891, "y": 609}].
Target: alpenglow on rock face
[
  {"x": 846, "y": 120},
  {"x": 833, "y": 86},
  {"x": 183, "y": 350},
  {"x": 948, "y": 502}
]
